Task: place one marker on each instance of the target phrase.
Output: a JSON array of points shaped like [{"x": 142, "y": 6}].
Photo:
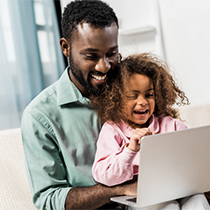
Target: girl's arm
[{"x": 113, "y": 160}]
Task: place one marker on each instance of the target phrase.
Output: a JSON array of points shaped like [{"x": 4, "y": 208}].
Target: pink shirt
[{"x": 114, "y": 162}]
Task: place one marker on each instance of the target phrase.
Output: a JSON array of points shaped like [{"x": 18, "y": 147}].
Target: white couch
[
  {"x": 14, "y": 188},
  {"x": 196, "y": 115}
]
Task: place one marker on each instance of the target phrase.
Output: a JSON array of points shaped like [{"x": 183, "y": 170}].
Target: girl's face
[{"x": 140, "y": 99}]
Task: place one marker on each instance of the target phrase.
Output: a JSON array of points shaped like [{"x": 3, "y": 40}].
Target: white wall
[
  {"x": 186, "y": 27},
  {"x": 139, "y": 26},
  {"x": 177, "y": 30}
]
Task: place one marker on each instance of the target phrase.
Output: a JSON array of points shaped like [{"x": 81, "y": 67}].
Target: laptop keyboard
[{"x": 131, "y": 199}]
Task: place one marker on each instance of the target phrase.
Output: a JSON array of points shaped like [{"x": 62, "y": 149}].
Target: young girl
[{"x": 138, "y": 101}]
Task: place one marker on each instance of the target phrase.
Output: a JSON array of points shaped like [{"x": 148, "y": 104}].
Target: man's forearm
[
  {"x": 95, "y": 196},
  {"x": 90, "y": 197}
]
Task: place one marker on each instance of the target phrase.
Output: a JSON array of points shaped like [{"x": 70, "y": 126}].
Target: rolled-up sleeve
[{"x": 44, "y": 164}]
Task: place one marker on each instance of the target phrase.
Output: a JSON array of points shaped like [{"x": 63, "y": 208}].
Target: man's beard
[{"x": 77, "y": 73}]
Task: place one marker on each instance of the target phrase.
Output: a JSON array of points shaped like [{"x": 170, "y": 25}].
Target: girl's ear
[{"x": 65, "y": 46}]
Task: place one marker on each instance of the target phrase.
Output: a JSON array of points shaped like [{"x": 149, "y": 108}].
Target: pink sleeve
[
  {"x": 179, "y": 125},
  {"x": 169, "y": 124},
  {"x": 113, "y": 160}
]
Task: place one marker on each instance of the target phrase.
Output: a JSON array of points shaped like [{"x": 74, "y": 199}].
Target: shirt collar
[
  {"x": 127, "y": 130},
  {"x": 67, "y": 92}
]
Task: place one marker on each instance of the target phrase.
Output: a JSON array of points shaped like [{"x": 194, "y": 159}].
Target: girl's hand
[{"x": 136, "y": 136}]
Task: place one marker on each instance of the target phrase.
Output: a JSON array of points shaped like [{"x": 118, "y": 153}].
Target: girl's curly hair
[{"x": 110, "y": 104}]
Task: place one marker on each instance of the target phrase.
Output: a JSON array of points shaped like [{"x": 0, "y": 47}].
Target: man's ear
[{"x": 65, "y": 46}]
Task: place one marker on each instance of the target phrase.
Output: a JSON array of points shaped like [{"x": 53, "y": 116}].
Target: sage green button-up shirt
[{"x": 59, "y": 131}]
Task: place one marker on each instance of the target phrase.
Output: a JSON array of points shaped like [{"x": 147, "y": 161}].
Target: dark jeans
[{"x": 111, "y": 205}]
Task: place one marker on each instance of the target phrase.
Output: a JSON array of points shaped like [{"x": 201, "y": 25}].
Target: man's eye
[
  {"x": 90, "y": 56},
  {"x": 111, "y": 54}
]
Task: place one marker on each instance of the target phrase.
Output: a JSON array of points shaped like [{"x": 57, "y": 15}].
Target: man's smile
[{"x": 99, "y": 78}]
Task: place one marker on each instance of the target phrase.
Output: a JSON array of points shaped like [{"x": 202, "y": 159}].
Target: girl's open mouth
[{"x": 141, "y": 112}]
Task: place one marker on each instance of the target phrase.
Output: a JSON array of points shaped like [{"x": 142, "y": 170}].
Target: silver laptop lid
[{"x": 173, "y": 165}]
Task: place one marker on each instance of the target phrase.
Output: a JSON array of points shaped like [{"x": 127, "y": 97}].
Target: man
[{"x": 59, "y": 128}]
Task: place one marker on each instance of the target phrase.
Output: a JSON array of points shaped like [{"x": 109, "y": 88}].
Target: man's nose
[{"x": 103, "y": 65}]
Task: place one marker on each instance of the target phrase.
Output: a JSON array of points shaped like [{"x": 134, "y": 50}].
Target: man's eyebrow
[
  {"x": 114, "y": 48},
  {"x": 96, "y": 50},
  {"x": 90, "y": 50}
]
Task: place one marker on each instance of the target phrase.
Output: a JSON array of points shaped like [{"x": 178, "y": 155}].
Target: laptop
[{"x": 172, "y": 165}]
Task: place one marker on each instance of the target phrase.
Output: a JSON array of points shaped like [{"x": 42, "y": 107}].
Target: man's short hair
[{"x": 95, "y": 12}]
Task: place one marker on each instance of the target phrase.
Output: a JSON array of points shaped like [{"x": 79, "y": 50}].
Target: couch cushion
[
  {"x": 195, "y": 115},
  {"x": 14, "y": 187}
]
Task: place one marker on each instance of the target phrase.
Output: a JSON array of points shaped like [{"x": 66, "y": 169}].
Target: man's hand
[{"x": 130, "y": 188}]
